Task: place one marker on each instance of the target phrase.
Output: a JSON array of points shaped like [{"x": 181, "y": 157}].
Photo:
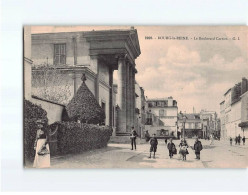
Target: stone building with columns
[{"x": 97, "y": 54}]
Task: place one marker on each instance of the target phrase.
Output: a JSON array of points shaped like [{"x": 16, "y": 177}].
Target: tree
[{"x": 84, "y": 107}]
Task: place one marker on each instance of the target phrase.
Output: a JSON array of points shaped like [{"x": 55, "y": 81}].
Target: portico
[
  {"x": 118, "y": 49},
  {"x": 97, "y": 54}
]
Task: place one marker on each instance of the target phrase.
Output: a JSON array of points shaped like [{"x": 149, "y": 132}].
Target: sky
[{"x": 196, "y": 73}]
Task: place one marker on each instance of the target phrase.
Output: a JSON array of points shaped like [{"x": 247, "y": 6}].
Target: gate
[{"x": 53, "y": 141}]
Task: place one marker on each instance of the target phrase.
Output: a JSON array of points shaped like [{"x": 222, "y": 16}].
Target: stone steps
[
  {"x": 125, "y": 140},
  {"x": 122, "y": 134}
]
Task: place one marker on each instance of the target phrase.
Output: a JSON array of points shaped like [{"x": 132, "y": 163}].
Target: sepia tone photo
[{"x": 135, "y": 97}]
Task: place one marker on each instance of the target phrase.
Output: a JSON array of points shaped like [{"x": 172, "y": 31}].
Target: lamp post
[
  {"x": 184, "y": 120},
  {"x": 176, "y": 129}
]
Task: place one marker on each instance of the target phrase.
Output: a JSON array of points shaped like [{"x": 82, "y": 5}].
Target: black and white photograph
[{"x": 135, "y": 97}]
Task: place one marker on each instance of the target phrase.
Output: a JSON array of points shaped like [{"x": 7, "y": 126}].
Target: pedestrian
[
  {"x": 211, "y": 139},
  {"x": 165, "y": 141},
  {"x": 236, "y": 140},
  {"x": 243, "y": 139},
  {"x": 41, "y": 147},
  {"x": 172, "y": 148},
  {"x": 183, "y": 149},
  {"x": 197, "y": 148},
  {"x": 230, "y": 141},
  {"x": 147, "y": 136},
  {"x": 239, "y": 139},
  {"x": 133, "y": 136},
  {"x": 154, "y": 144}
]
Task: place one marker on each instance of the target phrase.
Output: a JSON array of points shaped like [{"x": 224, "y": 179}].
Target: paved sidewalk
[
  {"x": 217, "y": 155},
  {"x": 120, "y": 156}
]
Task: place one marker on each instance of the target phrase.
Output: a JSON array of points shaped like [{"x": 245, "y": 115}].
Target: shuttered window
[{"x": 59, "y": 54}]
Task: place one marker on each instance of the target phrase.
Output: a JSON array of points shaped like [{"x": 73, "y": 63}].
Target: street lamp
[{"x": 184, "y": 121}]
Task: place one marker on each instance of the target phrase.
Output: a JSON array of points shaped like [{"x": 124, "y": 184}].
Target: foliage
[
  {"x": 76, "y": 137},
  {"x": 65, "y": 116},
  {"x": 32, "y": 113},
  {"x": 48, "y": 82},
  {"x": 84, "y": 107}
]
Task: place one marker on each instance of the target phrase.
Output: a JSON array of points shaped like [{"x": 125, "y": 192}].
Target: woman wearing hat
[{"x": 41, "y": 147}]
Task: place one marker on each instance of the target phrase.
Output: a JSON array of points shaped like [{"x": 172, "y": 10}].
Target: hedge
[
  {"x": 32, "y": 113},
  {"x": 76, "y": 137}
]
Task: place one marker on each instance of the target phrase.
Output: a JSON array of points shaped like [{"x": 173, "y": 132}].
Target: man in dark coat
[
  {"x": 239, "y": 139},
  {"x": 153, "y": 148},
  {"x": 243, "y": 139},
  {"x": 171, "y": 147},
  {"x": 133, "y": 136},
  {"x": 230, "y": 141},
  {"x": 197, "y": 148}
]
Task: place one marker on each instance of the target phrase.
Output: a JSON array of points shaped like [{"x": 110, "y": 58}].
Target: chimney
[{"x": 244, "y": 85}]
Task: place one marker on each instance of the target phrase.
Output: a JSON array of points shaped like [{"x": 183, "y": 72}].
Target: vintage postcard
[{"x": 135, "y": 97}]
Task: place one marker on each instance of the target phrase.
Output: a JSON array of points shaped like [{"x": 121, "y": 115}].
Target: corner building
[{"x": 96, "y": 54}]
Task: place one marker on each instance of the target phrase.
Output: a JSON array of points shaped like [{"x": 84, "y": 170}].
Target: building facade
[
  {"x": 231, "y": 119},
  {"x": 60, "y": 59},
  {"x": 191, "y": 127},
  {"x": 165, "y": 109},
  {"x": 140, "y": 110},
  {"x": 244, "y": 108},
  {"x": 209, "y": 123}
]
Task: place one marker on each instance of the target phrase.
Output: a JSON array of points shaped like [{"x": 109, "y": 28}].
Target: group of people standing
[
  {"x": 237, "y": 140},
  {"x": 183, "y": 147}
]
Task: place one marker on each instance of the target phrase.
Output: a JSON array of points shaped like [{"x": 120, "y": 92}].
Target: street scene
[
  {"x": 135, "y": 97},
  {"x": 120, "y": 156}
]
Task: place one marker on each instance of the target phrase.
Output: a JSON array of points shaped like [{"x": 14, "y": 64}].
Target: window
[
  {"x": 149, "y": 119},
  {"x": 161, "y": 112},
  {"x": 59, "y": 54},
  {"x": 190, "y": 125}
]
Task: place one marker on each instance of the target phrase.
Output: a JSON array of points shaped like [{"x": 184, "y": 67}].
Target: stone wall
[{"x": 54, "y": 111}]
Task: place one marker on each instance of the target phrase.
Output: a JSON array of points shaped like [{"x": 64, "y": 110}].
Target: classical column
[
  {"x": 95, "y": 58},
  {"x": 131, "y": 97},
  {"x": 121, "y": 95},
  {"x": 128, "y": 98},
  {"x": 111, "y": 97}
]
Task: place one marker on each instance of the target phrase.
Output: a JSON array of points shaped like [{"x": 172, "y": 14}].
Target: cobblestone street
[{"x": 120, "y": 156}]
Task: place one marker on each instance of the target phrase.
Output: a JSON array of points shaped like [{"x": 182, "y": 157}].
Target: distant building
[
  {"x": 209, "y": 123},
  {"x": 222, "y": 120},
  {"x": 140, "y": 110},
  {"x": 231, "y": 110},
  {"x": 193, "y": 125},
  {"x": 165, "y": 109},
  {"x": 244, "y": 108}
]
